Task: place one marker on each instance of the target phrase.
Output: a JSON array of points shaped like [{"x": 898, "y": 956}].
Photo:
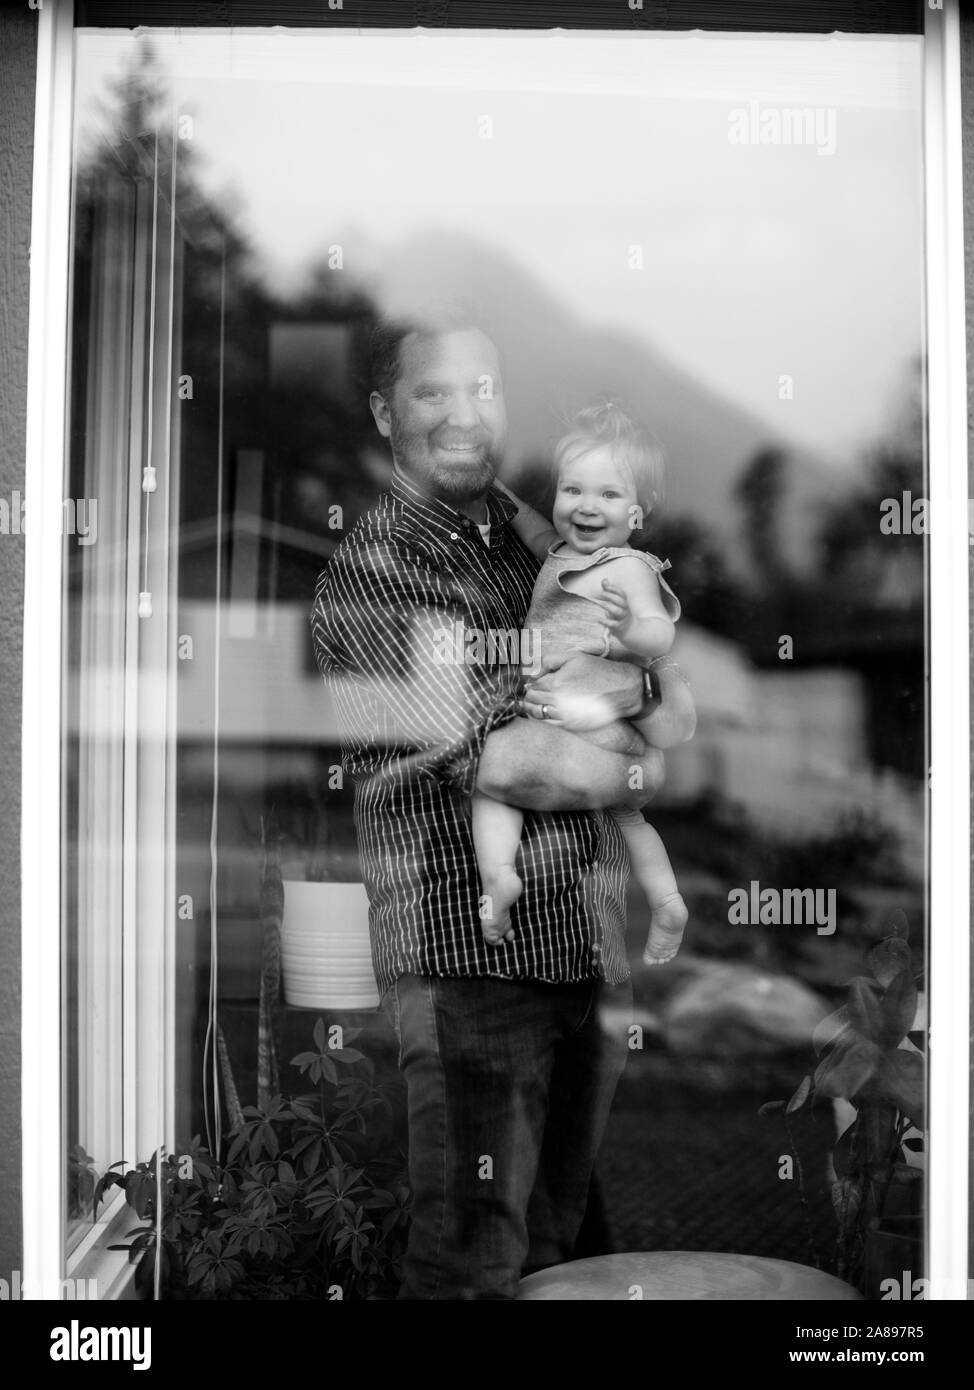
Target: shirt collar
[{"x": 429, "y": 514}]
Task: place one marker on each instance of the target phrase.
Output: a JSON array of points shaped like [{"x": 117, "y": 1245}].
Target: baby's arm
[
  {"x": 635, "y": 616},
  {"x": 532, "y": 528}
]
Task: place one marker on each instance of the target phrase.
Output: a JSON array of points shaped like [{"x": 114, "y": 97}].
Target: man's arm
[
  {"x": 669, "y": 718},
  {"x": 537, "y": 765},
  {"x": 386, "y": 626},
  {"x": 660, "y": 705}
]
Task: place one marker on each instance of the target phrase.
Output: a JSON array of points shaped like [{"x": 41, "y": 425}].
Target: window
[
  {"x": 654, "y": 234},
  {"x": 120, "y": 567}
]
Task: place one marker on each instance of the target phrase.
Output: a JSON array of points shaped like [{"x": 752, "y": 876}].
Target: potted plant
[
  {"x": 871, "y": 1057},
  {"x": 307, "y": 1200},
  {"x": 326, "y": 954}
]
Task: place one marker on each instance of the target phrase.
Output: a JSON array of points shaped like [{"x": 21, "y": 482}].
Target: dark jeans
[{"x": 509, "y": 1084}]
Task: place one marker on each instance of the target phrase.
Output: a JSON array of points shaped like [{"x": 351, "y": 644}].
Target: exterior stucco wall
[{"x": 18, "y": 44}]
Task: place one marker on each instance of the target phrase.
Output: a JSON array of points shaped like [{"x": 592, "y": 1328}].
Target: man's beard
[
  {"x": 461, "y": 485},
  {"x": 452, "y": 484}
]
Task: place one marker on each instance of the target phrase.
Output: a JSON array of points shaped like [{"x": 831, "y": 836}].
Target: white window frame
[
  {"x": 143, "y": 930},
  {"x": 947, "y": 1224},
  {"x": 41, "y": 790}
]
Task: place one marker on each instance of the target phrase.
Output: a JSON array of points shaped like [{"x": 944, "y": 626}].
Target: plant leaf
[
  {"x": 303, "y": 1060},
  {"x": 237, "y": 1148},
  {"x": 830, "y": 1029},
  {"x": 888, "y": 958},
  {"x": 847, "y": 1068},
  {"x": 800, "y": 1096},
  {"x": 865, "y": 1013},
  {"x": 771, "y": 1107},
  {"x": 842, "y": 1153},
  {"x": 902, "y": 1081},
  {"x": 899, "y": 1008}
]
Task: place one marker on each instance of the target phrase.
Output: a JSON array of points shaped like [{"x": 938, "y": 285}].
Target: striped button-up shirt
[{"x": 416, "y": 625}]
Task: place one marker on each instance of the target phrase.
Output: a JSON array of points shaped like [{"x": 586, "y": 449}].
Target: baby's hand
[{"x": 618, "y": 614}]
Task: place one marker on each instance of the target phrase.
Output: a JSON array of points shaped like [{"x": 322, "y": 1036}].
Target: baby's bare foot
[
  {"x": 501, "y": 890},
  {"x": 666, "y": 927}
]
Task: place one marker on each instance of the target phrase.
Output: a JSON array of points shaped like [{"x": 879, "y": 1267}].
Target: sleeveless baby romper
[{"x": 563, "y": 623}]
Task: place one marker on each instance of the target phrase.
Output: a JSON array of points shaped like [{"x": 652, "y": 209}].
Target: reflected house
[{"x": 792, "y": 746}]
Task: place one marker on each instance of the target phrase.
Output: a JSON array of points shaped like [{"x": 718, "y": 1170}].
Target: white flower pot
[{"x": 325, "y": 954}]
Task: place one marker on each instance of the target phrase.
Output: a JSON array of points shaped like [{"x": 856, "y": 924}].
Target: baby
[{"x": 595, "y": 594}]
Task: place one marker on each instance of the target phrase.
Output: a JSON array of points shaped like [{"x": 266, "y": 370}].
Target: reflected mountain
[{"x": 555, "y": 362}]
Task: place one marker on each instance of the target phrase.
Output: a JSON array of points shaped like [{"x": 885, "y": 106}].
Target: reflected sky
[{"x": 758, "y": 260}]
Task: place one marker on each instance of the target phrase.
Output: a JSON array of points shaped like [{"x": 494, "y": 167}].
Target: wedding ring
[{"x": 544, "y": 711}]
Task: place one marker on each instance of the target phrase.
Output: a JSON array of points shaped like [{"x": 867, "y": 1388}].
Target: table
[{"x": 685, "y": 1274}]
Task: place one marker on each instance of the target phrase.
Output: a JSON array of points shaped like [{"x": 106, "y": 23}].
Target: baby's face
[{"x": 595, "y": 502}]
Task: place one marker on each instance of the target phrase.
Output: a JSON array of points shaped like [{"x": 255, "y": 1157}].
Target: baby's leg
[
  {"x": 496, "y": 837},
  {"x": 654, "y": 874}
]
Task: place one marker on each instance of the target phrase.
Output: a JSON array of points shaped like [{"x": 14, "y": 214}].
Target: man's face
[{"x": 446, "y": 419}]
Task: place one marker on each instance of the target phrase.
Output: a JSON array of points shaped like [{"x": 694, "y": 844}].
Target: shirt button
[
  {"x": 454, "y": 535},
  {"x": 596, "y": 950}
]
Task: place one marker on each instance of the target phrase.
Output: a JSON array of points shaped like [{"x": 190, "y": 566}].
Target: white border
[
  {"x": 40, "y": 849},
  {"x": 948, "y": 1230},
  {"x": 947, "y": 1219}
]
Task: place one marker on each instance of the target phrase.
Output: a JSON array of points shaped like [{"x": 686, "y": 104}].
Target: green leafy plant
[
  {"x": 310, "y": 1200},
  {"x": 870, "y": 1057},
  {"x": 82, "y": 1180}
]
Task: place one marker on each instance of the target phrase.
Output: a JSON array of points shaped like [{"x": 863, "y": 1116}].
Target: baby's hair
[{"x": 635, "y": 447}]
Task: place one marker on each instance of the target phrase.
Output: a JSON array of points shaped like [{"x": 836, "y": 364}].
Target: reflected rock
[{"x": 734, "y": 1010}]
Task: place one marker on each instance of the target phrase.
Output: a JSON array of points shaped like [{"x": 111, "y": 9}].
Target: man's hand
[
  {"x": 672, "y": 719},
  {"x": 531, "y": 763},
  {"x": 612, "y": 690}
]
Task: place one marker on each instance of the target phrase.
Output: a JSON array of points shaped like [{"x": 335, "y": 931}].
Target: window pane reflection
[{"x": 223, "y": 303}]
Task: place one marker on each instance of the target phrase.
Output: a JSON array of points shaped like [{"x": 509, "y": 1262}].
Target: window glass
[{"x": 722, "y": 235}]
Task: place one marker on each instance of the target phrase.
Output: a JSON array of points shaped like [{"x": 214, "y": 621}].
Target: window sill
[{"x": 92, "y": 1265}]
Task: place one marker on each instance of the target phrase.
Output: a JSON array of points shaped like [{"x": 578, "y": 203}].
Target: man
[{"x": 509, "y": 1074}]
